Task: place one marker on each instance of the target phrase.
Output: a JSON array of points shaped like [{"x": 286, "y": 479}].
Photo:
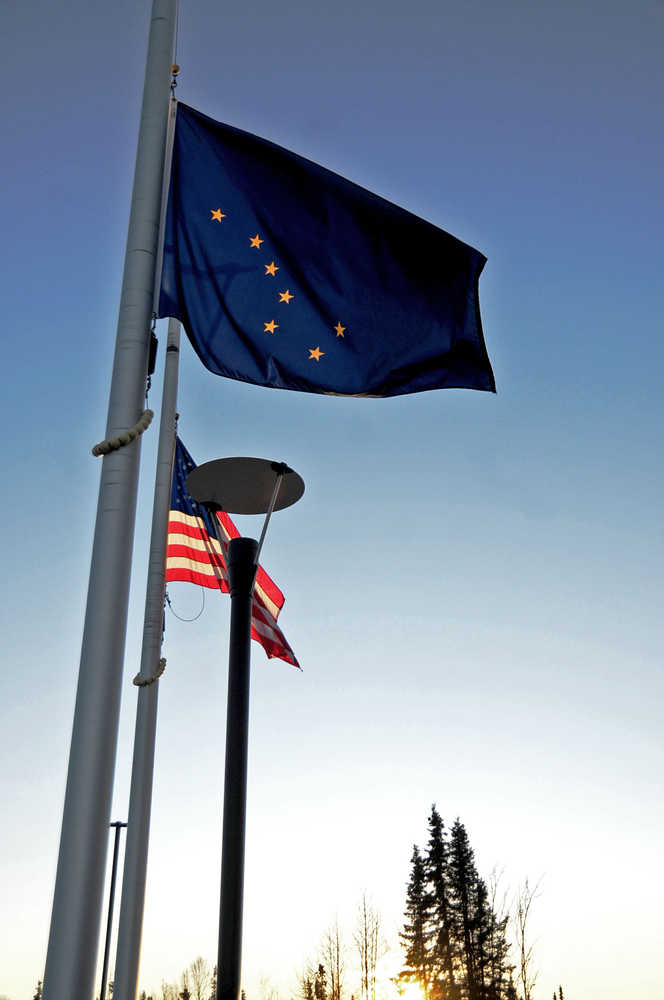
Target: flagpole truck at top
[{"x": 77, "y": 901}]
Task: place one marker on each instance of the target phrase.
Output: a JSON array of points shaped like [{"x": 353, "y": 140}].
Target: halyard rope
[
  {"x": 112, "y": 444},
  {"x": 141, "y": 683}
]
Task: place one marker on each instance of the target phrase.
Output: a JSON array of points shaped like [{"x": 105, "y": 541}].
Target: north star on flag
[
  {"x": 287, "y": 275},
  {"x": 194, "y": 555}
]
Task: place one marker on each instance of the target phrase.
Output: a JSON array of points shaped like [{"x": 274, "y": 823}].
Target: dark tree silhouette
[
  {"x": 442, "y": 953},
  {"x": 320, "y": 983},
  {"x": 455, "y": 942},
  {"x": 306, "y": 983},
  {"x": 462, "y": 876},
  {"x": 416, "y": 935}
]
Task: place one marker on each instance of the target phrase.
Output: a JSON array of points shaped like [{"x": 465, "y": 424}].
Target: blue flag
[{"x": 286, "y": 275}]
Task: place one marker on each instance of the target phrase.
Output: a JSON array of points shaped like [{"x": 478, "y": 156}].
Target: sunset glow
[{"x": 411, "y": 991}]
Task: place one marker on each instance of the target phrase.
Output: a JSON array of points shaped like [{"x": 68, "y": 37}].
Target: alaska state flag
[{"x": 285, "y": 274}]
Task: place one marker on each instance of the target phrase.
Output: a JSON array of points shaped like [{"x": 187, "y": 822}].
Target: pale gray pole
[
  {"x": 140, "y": 799},
  {"x": 77, "y": 902}
]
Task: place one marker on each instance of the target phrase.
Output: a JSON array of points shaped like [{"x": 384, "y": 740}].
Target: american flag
[{"x": 194, "y": 555}]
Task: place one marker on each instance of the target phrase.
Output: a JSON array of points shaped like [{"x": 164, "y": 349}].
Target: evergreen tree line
[
  {"x": 454, "y": 938},
  {"x": 455, "y": 941}
]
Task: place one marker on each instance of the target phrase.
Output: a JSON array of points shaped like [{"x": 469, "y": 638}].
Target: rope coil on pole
[
  {"x": 113, "y": 444},
  {"x": 140, "y": 682}
]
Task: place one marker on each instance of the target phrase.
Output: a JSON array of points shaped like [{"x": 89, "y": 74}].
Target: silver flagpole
[
  {"x": 77, "y": 902},
  {"x": 140, "y": 799}
]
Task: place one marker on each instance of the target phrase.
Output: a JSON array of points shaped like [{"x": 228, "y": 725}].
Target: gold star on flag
[
  {"x": 255, "y": 241},
  {"x": 271, "y": 326},
  {"x": 340, "y": 329},
  {"x": 315, "y": 353},
  {"x": 217, "y": 215},
  {"x": 286, "y": 296},
  {"x": 271, "y": 268}
]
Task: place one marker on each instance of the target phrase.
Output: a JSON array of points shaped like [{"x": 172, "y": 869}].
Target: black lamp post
[
  {"x": 111, "y": 899},
  {"x": 239, "y": 486}
]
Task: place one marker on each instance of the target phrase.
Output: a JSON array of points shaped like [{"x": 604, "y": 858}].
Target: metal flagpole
[
  {"x": 140, "y": 800},
  {"x": 111, "y": 899},
  {"x": 77, "y": 901}
]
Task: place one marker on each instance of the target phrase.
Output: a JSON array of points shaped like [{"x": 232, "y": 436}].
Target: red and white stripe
[{"x": 193, "y": 557}]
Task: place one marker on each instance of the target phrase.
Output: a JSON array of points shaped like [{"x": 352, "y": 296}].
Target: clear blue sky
[{"x": 473, "y": 582}]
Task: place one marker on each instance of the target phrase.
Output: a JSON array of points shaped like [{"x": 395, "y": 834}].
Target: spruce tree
[
  {"x": 320, "y": 983},
  {"x": 443, "y": 985},
  {"x": 510, "y": 992},
  {"x": 38, "y": 991},
  {"x": 463, "y": 879},
  {"x": 481, "y": 931},
  {"x": 455, "y": 942},
  {"x": 416, "y": 934}
]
